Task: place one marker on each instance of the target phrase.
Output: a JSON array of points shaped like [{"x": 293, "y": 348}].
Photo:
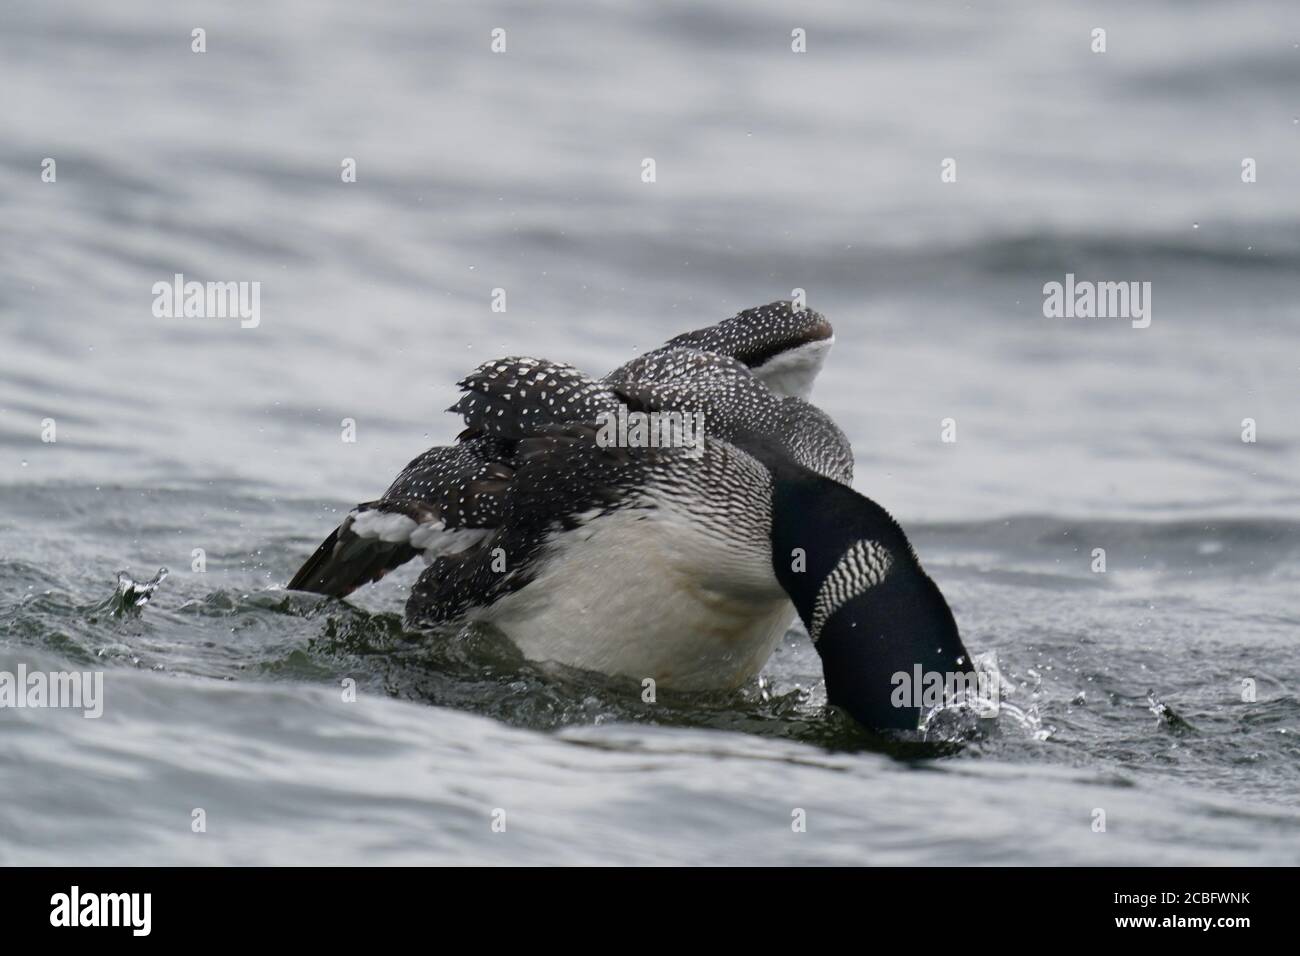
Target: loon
[{"x": 651, "y": 562}]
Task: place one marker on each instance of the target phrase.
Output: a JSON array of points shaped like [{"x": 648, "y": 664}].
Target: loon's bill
[{"x": 684, "y": 562}]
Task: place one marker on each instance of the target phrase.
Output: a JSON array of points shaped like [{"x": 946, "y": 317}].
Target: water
[{"x": 522, "y": 171}]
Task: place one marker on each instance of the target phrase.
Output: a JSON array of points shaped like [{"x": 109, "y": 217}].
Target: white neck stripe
[{"x": 860, "y": 568}]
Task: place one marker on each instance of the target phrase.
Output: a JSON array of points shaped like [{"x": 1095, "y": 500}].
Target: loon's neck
[{"x": 871, "y": 610}]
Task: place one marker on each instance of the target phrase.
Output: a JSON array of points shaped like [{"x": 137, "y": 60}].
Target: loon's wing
[
  {"x": 442, "y": 501},
  {"x": 450, "y": 498},
  {"x": 781, "y": 344},
  {"x": 563, "y": 478},
  {"x": 511, "y": 397}
]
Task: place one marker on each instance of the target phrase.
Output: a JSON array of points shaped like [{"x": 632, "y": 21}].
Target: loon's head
[
  {"x": 871, "y": 610},
  {"x": 783, "y": 346}
]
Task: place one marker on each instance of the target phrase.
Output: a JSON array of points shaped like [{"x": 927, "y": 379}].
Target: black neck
[{"x": 873, "y": 612}]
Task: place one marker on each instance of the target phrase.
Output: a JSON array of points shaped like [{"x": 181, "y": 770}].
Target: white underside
[
  {"x": 791, "y": 374},
  {"x": 641, "y": 594}
]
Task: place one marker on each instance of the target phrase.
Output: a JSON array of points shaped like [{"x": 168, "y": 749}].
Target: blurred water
[{"x": 522, "y": 171}]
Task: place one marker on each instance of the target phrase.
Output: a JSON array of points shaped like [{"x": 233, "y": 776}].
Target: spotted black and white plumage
[
  {"x": 638, "y": 561},
  {"x": 512, "y": 397},
  {"x": 782, "y": 344}
]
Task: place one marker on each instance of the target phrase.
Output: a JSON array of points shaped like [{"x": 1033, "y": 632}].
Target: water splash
[
  {"x": 132, "y": 595},
  {"x": 1168, "y": 717},
  {"x": 977, "y": 711}
]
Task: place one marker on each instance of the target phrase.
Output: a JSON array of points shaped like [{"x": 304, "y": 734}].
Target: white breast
[{"x": 651, "y": 593}]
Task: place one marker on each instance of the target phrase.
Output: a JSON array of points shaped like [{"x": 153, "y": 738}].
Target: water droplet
[{"x": 1196, "y": 225}]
